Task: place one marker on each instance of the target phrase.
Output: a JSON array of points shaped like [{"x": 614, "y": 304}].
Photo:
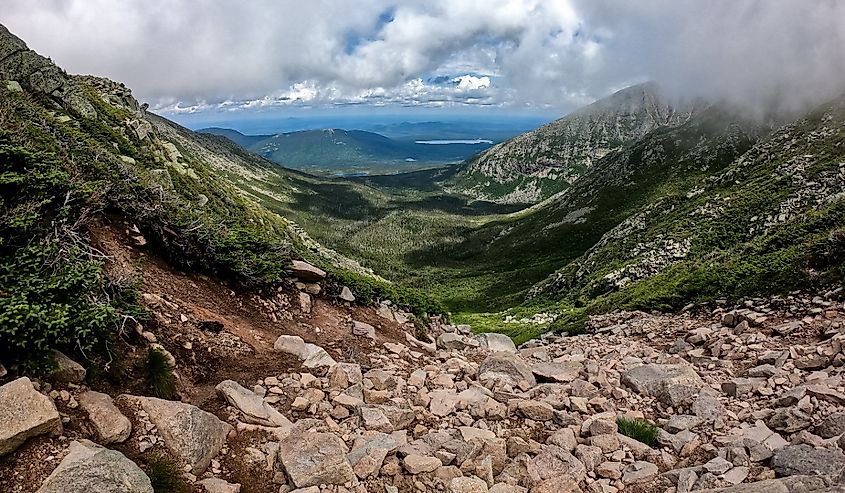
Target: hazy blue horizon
[{"x": 263, "y": 123}]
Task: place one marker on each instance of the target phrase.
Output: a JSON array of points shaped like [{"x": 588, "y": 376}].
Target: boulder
[
  {"x": 656, "y": 380},
  {"x": 25, "y": 413},
  {"x": 806, "y": 460},
  {"x": 312, "y": 355},
  {"x": 90, "y": 468},
  {"x": 495, "y": 342},
  {"x": 506, "y": 367},
  {"x": 312, "y": 459},
  {"x": 450, "y": 340},
  {"x": 192, "y": 435},
  {"x": 307, "y": 272},
  {"x": 639, "y": 472},
  {"x": 110, "y": 424},
  {"x": 252, "y": 406},
  {"x": 67, "y": 370},
  {"x": 536, "y": 410},
  {"x": 468, "y": 485},
  {"x": 790, "y": 420},
  {"x": 555, "y": 467},
  {"x": 565, "y": 371},
  {"x": 418, "y": 464}
]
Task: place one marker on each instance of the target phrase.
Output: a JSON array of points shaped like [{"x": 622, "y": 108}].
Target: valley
[{"x": 646, "y": 294}]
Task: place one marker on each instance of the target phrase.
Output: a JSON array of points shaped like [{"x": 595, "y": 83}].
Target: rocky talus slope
[
  {"x": 744, "y": 398},
  {"x": 535, "y": 165}
]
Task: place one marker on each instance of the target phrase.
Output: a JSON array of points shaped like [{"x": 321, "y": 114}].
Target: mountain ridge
[{"x": 537, "y": 164}]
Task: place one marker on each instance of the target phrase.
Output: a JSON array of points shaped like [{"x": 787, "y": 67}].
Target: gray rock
[
  {"x": 468, "y": 485},
  {"x": 656, "y": 379},
  {"x": 214, "y": 485},
  {"x": 706, "y": 406},
  {"x": 833, "y": 425},
  {"x": 90, "y": 468},
  {"x": 312, "y": 355},
  {"x": 505, "y": 367},
  {"x": 552, "y": 371},
  {"x": 536, "y": 410},
  {"x": 805, "y": 460},
  {"x": 774, "y": 358},
  {"x": 369, "y": 453},
  {"x": 790, "y": 420},
  {"x": 450, "y": 340},
  {"x": 553, "y": 465},
  {"x": 496, "y": 342},
  {"x": 251, "y": 405},
  {"x": 680, "y": 422},
  {"x": 738, "y": 387},
  {"x": 25, "y": 413},
  {"x": 307, "y": 272},
  {"x": 192, "y": 435},
  {"x": 762, "y": 371},
  {"x": 312, "y": 459},
  {"x": 795, "y": 484},
  {"x": 639, "y": 472},
  {"x": 67, "y": 369},
  {"x": 110, "y": 424},
  {"x": 346, "y": 294},
  {"x": 363, "y": 329},
  {"x": 418, "y": 464}
]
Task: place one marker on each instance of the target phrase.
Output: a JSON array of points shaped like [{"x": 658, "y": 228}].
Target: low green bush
[
  {"x": 165, "y": 475},
  {"x": 638, "y": 429},
  {"x": 160, "y": 374},
  {"x": 369, "y": 290},
  {"x": 53, "y": 294}
]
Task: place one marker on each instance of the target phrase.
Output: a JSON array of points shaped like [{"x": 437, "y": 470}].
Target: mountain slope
[
  {"x": 537, "y": 164},
  {"x": 79, "y": 151},
  {"x": 770, "y": 222}
]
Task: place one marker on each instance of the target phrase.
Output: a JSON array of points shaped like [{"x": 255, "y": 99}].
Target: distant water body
[{"x": 446, "y": 142}]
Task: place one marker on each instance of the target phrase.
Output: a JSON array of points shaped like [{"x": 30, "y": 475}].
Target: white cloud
[
  {"x": 471, "y": 83},
  {"x": 230, "y": 55}
]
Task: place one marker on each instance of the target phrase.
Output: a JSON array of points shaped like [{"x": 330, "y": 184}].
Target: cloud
[{"x": 230, "y": 55}]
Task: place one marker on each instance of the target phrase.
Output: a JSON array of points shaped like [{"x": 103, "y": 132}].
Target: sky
[{"x": 251, "y": 57}]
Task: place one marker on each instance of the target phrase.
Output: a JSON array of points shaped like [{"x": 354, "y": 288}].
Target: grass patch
[
  {"x": 165, "y": 475},
  {"x": 638, "y": 429},
  {"x": 160, "y": 374}
]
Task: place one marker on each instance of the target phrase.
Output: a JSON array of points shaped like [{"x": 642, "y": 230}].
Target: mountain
[
  {"x": 537, "y": 164},
  {"x": 349, "y": 152},
  {"x": 770, "y": 222},
  {"x": 245, "y": 141},
  {"x": 79, "y": 154},
  {"x": 166, "y": 324}
]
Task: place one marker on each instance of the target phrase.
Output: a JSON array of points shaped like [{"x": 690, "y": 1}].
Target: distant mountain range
[{"x": 349, "y": 152}]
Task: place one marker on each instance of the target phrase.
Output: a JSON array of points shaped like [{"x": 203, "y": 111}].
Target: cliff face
[{"x": 537, "y": 164}]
